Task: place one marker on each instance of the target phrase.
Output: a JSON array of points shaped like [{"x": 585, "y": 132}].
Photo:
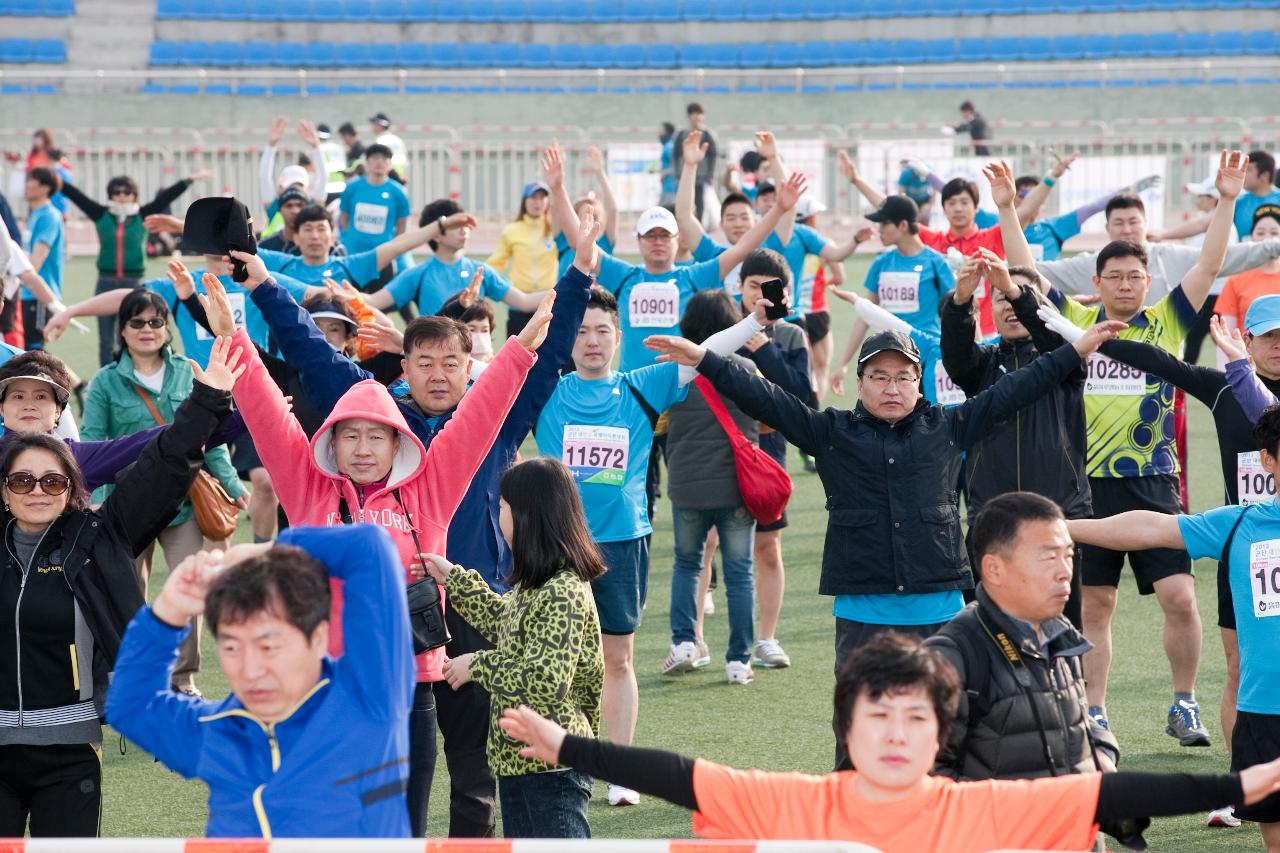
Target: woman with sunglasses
[
  {"x": 66, "y": 596},
  {"x": 148, "y": 378}
]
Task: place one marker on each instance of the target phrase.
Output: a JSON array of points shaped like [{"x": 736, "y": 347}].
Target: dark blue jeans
[
  {"x": 422, "y": 756},
  {"x": 545, "y": 805}
]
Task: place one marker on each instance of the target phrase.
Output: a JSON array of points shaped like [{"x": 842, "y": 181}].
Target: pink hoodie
[{"x": 430, "y": 483}]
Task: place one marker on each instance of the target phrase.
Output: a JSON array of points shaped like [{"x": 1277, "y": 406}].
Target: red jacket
[{"x": 967, "y": 244}]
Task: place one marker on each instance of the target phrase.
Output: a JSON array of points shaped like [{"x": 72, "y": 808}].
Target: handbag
[
  {"x": 215, "y": 512},
  {"x": 765, "y": 485}
]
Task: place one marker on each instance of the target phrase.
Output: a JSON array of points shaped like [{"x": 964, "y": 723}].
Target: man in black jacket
[
  {"x": 1041, "y": 448},
  {"x": 894, "y": 556},
  {"x": 1023, "y": 712}
]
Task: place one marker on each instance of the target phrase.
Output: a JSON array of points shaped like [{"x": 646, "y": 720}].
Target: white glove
[
  {"x": 1146, "y": 184},
  {"x": 1055, "y": 322},
  {"x": 955, "y": 260},
  {"x": 948, "y": 130}
]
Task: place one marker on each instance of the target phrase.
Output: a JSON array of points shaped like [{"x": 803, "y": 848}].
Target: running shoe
[
  {"x": 1099, "y": 716},
  {"x": 738, "y": 672},
  {"x": 1224, "y": 818},
  {"x": 704, "y": 656},
  {"x": 768, "y": 653},
  {"x": 1185, "y": 725},
  {"x": 680, "y": 659},
  {"x": 620, "y": 796},
  {"x": 708, "y": 604}
]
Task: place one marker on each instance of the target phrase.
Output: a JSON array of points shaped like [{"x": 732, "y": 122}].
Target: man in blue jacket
[
  {"x": 475, "y": 536},
  {"x": 305, "y": 746}
]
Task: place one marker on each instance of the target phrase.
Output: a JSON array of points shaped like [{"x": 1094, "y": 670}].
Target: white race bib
[
  {"x": 1254, "y": 484},
  {"x": 1264, "y": 578},
  {"x": 370, "y": 218},
  {"x": 733, "y": 282},
  {"x": 1112, "y": 378},
  {"x": 947, "y": 392},
  {"x": 899, "y": 292},
  {"x": 237, "y": 311},
  {"x": 654, "y": 305},
  {"x": 596, "y": 454}
]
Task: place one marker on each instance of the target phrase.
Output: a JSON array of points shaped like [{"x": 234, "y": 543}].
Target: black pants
[
  {"x": 516, "y": 321},
  {"x": 1199, "y": 329},
  {"x": 422, "y": 756},
  {"x": 58, "y": 787},
  {"x": 107, "y": 325},
  {"x": 849, "y": 636},
  {"x": 463, "y": 717},
  {"x": 34, "y": 316}
]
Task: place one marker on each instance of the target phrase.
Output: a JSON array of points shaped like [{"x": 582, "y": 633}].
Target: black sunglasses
[
  {"x": 51, "y": 484},
  {"x": 139, "y": 323}
]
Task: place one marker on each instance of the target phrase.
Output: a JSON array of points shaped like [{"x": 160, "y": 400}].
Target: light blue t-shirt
[
  {"x": 431, "y": 283},
  {"x": 669, "y": 179},
  {"x": 1254, "y": 576},
  {"x": 986, "y": 219},
  {"x": 601, "y": 432},
  {"x": 1246, "y": 204},
  {"x": 372, "y": 213},
  {"x": 652, "y": 303},
  {"x": 359, "y": 268},
  {"x": 567, "y": 254},
  {"x": 804, "y": 241},
  {"x": 46, "y": 227},
  {"x": 927, "y": 608},
  {"x": 914, "y": 187},
  {"x": 1050, "y": 233},
  {"x": 197, "y": 343},
  {"x": 912, "y": 287}
]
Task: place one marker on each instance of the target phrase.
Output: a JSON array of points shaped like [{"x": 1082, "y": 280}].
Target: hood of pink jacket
[{"x": 369, "y": 400}]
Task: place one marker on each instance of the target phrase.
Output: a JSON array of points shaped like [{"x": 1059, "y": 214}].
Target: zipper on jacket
[
  {"x": 1017, "y": 423},
  {"x": 17, "y": 611}
]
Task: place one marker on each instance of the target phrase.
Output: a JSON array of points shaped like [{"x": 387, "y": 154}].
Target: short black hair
[
  {"x": 79, "y": 495},
  {"x": 735, "y": 198},
  {"x": 435, "y": 329},
  {"x": 1026, "y": 182},
  {"x": 750, "y": 161},
  {"x": 765, "y": 188},
  {"x": 549, "y": 527},
  {"x": 136, "y": 302},
  {"x": 284, "y": 581},
  {"x": 377, "y": 149},
  {"x": 967, "y": 105},
  {"x": 37, "y": 362},
  {"x": 1121, "y": 249},
  {"x": 765, "y": 262},
  {"x": 1266, "y": 432},
  {"x": 956, "y": 186},
  {"x": 708, "y": 312},
  {"x": 434, "y": 210},
  {"x": 693, "y": 107},
  {"x": 605, "y": 301},
  {"x": 46, "y": 178},
  {"x": 668, "y": 130},
  {"x": 1264, "y": 163},
  {"x": 892, "y": 663},
  {"x": 1123, "y": 201},
  {"x": 996, "y": 527},
  {"x": 122, "y": 182},
  {"x": 311, "y": 213},
  {"x": 347, "y": 128}
]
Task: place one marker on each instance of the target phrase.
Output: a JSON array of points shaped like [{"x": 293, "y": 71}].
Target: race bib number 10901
[
  {"x": 1109, "y": 377},
  {"x": 654, "y": 305}
]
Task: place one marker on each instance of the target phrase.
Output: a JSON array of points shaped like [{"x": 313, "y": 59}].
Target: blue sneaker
[
  {"x": 1099, "y": 716},
  {"x": 1185, "y": 725}
]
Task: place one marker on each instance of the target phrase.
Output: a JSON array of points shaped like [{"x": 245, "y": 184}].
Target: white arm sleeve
[
  {"x": 319, "y": 176},
  {"x": 725, "y": 342},
  {"x": 266, "y": 174},
  {"x": 878, "y": 318}
]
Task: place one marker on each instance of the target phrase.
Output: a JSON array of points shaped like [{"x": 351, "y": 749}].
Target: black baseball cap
[
  {"x": 896, "y": 208},
  {"x": 380, "y": 119},
  {"x": 323, "y": 131},
  {"x": 1263, "y": 212},
  {"x": 215, "y": 225},
  {"x": 293, "y": 194},
  {"x": 887, "y": 342}
]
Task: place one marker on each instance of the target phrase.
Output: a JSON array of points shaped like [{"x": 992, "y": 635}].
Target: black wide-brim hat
[{"x": 215, "y": 226}]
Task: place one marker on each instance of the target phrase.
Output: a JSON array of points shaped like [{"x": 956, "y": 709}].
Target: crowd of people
[{"x": 411, "y": 572}]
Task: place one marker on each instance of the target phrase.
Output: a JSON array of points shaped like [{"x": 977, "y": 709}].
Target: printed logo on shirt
[
  {"x": 900, "y": 291},
  {"x": 385, "y": 517},
  {"x": 654, "y": 304},
  {"x": 370, "y": 218}
]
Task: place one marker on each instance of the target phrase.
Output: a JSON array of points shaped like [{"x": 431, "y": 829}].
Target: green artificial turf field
[{"x": 782, "y": 720}]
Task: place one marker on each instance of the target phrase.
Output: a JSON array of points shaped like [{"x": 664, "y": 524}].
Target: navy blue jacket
[{"x": 475, "y": 539}]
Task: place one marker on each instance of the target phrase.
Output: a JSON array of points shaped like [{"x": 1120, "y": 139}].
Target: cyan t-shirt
[
  {"x": 1254, "y": 576},
  {"x": 986, "y": 219},
  {"x": 652, "y": 303},
  {"x": 912, "y": 287},
  {"x": 372, "y": 213},
  {"x": 197, "y": 343},
  {"x": 804, "y": 241},
  {"x": 927, "y": 608},
  {"x": 1246, "y": 204},
  {"x": 1046, "y": 236},
  {"x": 567, "y": 254},
  {"x": 936, "y": 385},
  {"x": 359, "y": 268},
  {"x": 45, "y": 224},
  {"x": 914, "y": 187},
  {"x": 669, "y": 179},
  {"x": 432, "y": 282},
  {"x": 600, "y": 431}
]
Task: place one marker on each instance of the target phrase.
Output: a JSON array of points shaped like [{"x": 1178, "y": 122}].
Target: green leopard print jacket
[{"x": 547, "y": 657}]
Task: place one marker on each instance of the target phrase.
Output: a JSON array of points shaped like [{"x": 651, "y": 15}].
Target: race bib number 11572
[{"x": 596, "y": 454}]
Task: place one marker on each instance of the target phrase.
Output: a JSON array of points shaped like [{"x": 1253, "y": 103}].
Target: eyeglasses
[
  {"x": 656, "y": 236},
  {"x": 117, "y": 192},
  {"x": 139, "y": 323},
  {"x": 51, "y": 484},
  {"x": 1132, "y": 278},
  {"x": 882, "y": 380}
]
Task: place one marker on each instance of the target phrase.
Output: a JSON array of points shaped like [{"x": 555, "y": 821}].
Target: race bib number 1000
[
  {"x": 237, "y": 311},
  {"x": 596, "y": 454},
  {"x": 654, "y": 305},
  {"x": 1254, "y": 484},
  {"x": 1264, "y": 577},
  {"x": 1113, "y": 378}
]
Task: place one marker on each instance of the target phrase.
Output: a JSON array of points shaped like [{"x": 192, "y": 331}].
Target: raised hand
[
  {"x": 845, "y": 164},
  {"x": 217, "y": 307},
  {"x": 460, "y": 220},
  {"x": 535, "y": 332},
  {"x": 56, "y": 325},
  {"x": 343, "y": 293},
  {"x": 254, "y": 264},
  {"x": 200, "y": 175},
  {"x": 585, "y": 250},
  {"x": 469, "y": 294},
  {"x": 1055, "y": 322},
  {"x": 1000, "y": 176},
  {"x": 1231, "y": 167},
  {"x": 1230, "y": 341},
  {"x": 693, "y": 149},
  {"x": 1144, "y": 184},
  {"x": 790, "y": 192},
  {"x": 1096, "y": 335},
  {"x": 553, "y": 166},
  {"x": 968, "y": 277},
  {"x": 595, "y": 160},
  {"x": 766, "y": 145},
  {"x": 383, "y": 337},
  {"x": 307, "y": 131},
  {"x": 163, "y": 223},
  {"x": 997, "y": 272},
  {"x": 183, "y": 284},
  {"x": 847, "y": 295},
  {"x": 182, "y": 598},
  {"x": 224, "y": 366},
  {"x": 275, "y": 132},
  {"x": 1061, "y": 164},
  {"x": 542, "y": 737},
  {"x": 675, "y": 348}
]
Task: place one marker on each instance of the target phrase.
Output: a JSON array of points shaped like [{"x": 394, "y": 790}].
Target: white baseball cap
[
  {"x": 291, "y": 175},
  {"x": 808, "y": 206},
  {"x": 1205, "y": 187},
  {"x": 657, "y": 217}
]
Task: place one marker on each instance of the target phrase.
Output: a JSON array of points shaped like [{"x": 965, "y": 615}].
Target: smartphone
[{"x": 775, "y": 291}]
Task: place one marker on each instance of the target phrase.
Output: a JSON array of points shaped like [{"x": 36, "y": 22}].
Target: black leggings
[
  {"x": 59, "y": 788},
  {"x": 422, "y": 756}
]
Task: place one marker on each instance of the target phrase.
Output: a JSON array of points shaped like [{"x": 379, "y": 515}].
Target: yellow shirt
[{"x": 527, "y": 255}]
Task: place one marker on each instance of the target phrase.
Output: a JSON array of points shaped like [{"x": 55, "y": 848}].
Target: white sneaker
[
  {"x": 738, "y": 672},
  {"x": 620, "y": 796},
  {"x": 680, "y": 659},
  {"x": 768, "y": 653},
  {"x": 1225, "y": 817},
  {"x": 708, "y": 604},
  {"x": 704, "y": 656}
]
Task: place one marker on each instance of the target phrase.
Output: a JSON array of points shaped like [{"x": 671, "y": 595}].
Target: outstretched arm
[
  {"x": 1137, "y": 530},
  {"x": 873, "y": 196},
  {"x": 1230, "y": 182},
  {"x": 608, "y": 203},
  {"x": 1030, "y": 206},
  {"x": 411, "y": 240},
  {"x": 1016, "y": 249},
  {"x": 694, "y": 149},
  {"x": 788, "y": 194}
]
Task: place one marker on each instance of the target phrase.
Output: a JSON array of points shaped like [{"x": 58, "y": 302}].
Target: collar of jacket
[
  {"x": 1017, "y": 345},
  {"x": 1066, "y": 642},
  {"x": 860, "y": 413},
  {"x": 126, "y": 369},
  {"x": 50, "y": 542},
  {"x": 234, "y": 708}
]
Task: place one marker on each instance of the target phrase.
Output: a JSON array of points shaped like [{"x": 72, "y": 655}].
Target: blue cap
[
  {"x": 535, "y": 187},
  {"x": 1263, "y": 315}
]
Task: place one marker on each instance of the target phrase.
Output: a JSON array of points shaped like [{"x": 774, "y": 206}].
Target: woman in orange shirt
[
  {"x": 1240, "y": 290},
  {"x": 895, "y": 699}
]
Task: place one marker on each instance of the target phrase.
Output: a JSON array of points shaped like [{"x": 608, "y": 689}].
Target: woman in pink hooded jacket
[{"x": 364, "y": 464}]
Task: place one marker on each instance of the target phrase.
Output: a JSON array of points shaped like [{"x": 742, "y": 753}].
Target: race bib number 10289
[{"x": 1109, "y": 377}]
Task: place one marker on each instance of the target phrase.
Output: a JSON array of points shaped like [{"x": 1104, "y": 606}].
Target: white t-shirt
[
  {"x": 13, "y": 263},
  {"x": 155, "y": 381}
]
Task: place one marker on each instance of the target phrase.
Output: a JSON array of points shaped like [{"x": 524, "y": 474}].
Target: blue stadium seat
[
  {"x": 1099, "y": 46},
  {"x": 630, "y": 55},
  {"x": 660, "y": 54},
  {"x": 446, "y": 54},
  {"x": 907, "y": 52},
  {"x": 290, "y": 54},
  {"x": 1132, "y": 45},
  {"x": 259, "y": 52},
  {"x": 789, "y": 10},
  {"x": 166, "y": 10},
  {"x": 321, "y": 54},
  {"x": 1034, "y": 48},
  {"x": 818, "y": 54},
  {"x": 694, "y": 55},
  {"x": 1163, "y": 45},
  {"x": 450, "y": 12},
  {"x": 219, "y": 89},
  {"x": 358, "y": 11},
  {"x": 326, "y": 10},
  {"x": 982, "y": 8},
  {"x": 480, "y": 11},
  {"x": 728, "y": 10},
  {"x": 607, "y": 12},
  {"x": 550, "y": 11},
  {"x": 846, "y": 53},
  {"x": 59, "y": 8},
  {"x": 632, "y": 12},
  {"x": 477, "y": 55},
  {"x": 195, "y": 53},
  {"x": 877, "y": 52},
  {"x": 941, "y": 50},
  {"x": 235, "y": 10},
  {"x": 827, "y": 10},
  {"x": 1228, "y": 43},
  {"x": 415, "y": 54},
  {"x": 420, "y": 11},
  {"x": 533, "y": 55},
  {"x": 355, "y": 54},
  {"x": 258, "y": 10},
  {"x": 1196, "y": 44},
  {"x": 163, "y": 53},
  {"x": 973, "y": 50},
  {"x": 1136, "y": 5},
  {"x": 285, "y": 90},
  {"x": 384, "y": 54},
  {"x": 1067, "y": 47},
  {"x": 1004, "y": 48},
  {"x": 226, "y": 54},
  {"x": 352, "y": 89},
  {"x": 570, "y": 55},
  {"x": 510, "y": 11},
  {"x": 390, "y": 11},
  {"x": 251, "y": 90},
  {"x": 785, "y": 54},
  {"x": 736, "y": 55},
  {"x": 1262, "y": 43}
]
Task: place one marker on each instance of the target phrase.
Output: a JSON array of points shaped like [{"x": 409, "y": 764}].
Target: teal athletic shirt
[
  {"x": 911, "y": 288},
  {"x": 652, "y": 303},
  {"x": 431, "y": 283}
]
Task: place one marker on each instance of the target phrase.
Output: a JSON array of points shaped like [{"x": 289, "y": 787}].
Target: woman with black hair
[
  {"x": 547, "y": 643},
  {"x": 67, "y": 594},
  {"x": 139, "y": 390}
]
